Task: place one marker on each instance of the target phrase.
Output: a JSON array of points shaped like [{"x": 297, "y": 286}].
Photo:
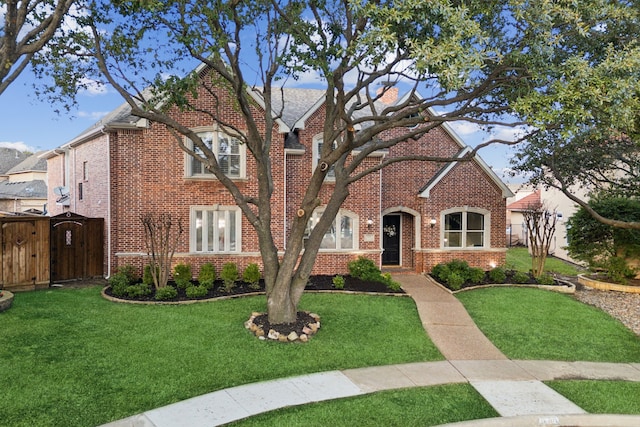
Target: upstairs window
[
  {"x": 229, "y": 152},
  {"x": 465, "y": 229},
  {"x": 317, "y": 150}
]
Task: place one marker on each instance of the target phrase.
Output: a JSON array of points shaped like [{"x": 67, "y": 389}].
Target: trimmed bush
[
  {"x": 497, "y": 275},
  {"x": 392, "y": 285},
  {"x": 546, "y": 279},
  {"x": 122, "y": 279},
  {"x": 364, "y": 269},
  {"x": 147, "y": 277},
  {"x": 229, "y": 275},
  {"x": 455, "y": 281},
  {"x": 182, "y": 275},
  {"x": 196, "y": 291},
  {"x": 338, "y": 282},
  {"x": 251, "y": 275},
  {"x": 441, "y": 272},
  {"x": 618, "y": 270},
  {"x": 520, "y": 277},
  {"x": 207, "y": 275},
  {"x": 137, "y": 291},
  {"x": 475, "y": 275},
  {"x": 166, "y": 293}
]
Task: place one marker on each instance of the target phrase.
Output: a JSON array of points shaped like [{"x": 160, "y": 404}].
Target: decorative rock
[
  {"x": 248, "y": 324},
  {"x": 273, "y": 335},
  {"x": 304, "y": 338},
  {"x": 260, "y": 332},
  {"x": 283, "y": 338},
  {"x": 292, "y": 336},
  {"x": 253, "y": 327},
  {"x": 315, "y": 316},
  {"x": 306, "y": 330},
  {"x": 314, "y": 327},
  {"x": 262, "y": 338},
  {"x": 255, "y": 314}
]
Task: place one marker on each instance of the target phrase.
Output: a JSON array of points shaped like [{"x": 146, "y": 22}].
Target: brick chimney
[{"x": 390, "y": 94}]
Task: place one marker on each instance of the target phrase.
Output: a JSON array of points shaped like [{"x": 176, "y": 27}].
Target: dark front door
[{"x": 391, "y": 240}]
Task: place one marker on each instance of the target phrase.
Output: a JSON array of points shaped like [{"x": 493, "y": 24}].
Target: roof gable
[{"x": 526, "y": 202}]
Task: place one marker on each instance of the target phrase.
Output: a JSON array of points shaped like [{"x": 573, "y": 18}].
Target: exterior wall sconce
[
  {"x": 432, "y": 222},
  {"x": 369, "y": 223}
]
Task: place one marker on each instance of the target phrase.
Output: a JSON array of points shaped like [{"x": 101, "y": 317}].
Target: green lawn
[
  {"x": 519, "y": 259},
  {"x": 601, "y": 397},
  {"x": 71, "y": 358},
  {"x": 527, "y": 323},
  {"x": 428, "y": 406}
]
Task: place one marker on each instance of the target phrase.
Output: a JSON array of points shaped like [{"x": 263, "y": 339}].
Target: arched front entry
[{"x": 400, "y": 236}]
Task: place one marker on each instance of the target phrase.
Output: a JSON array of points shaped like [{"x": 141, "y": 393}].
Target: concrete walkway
[{"x": 513, "y": 387}]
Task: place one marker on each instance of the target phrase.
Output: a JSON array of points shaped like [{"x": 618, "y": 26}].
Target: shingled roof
[
  {"x": 32, "y": 163},
  {"x": 526, "y": 202},
  {"x": 10, "y": 157}
]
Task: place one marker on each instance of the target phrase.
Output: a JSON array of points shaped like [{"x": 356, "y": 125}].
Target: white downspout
[
  {"x": 284, "y": 198},
  {"x": 108, "y": 203}
]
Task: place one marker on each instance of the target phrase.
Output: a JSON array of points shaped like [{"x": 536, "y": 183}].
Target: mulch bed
[{"x": 316, "y": 283}]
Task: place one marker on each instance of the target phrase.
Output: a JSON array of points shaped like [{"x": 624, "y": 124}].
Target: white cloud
[
  {"x": 92, "y": 87},
  {"x": 93, "y": 115},
  {"x": 20, "y": 146}
]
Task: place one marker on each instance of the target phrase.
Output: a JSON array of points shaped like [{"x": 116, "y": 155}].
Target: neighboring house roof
[
  {"x": 36, "y": 189},
  {"x": 32, "y": 163},
  {"x": 10, "y": 157},
  {"x": 532, "y": 199}
]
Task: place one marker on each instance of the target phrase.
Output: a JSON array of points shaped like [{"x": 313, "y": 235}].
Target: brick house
[{"x": 411, "y": 215}]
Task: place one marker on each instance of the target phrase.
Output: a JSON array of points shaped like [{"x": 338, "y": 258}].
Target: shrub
[
  {"x": 137, "y": 291},
  {"x": 441, "y": 272},
  {"x": 364, "y": 269},
  {"x": 618, "y": 270},
  {"x": 338, "y": 282},
  {"x": 207, "y": 275},
  {"x": 455, "y": 281},
  {"x": 475, "y": 275},
  {"x": 392, "y": 285},
  {"x": 147, "y": 277},
  {"x": 166, "y": 293},
  {"x": 196, "y": 291},
  {"x": 251, "y": 275},
  {"x": 182, "y": 275},
  {"x": 520, "y": 277},
  {"x": 546, "y": 279},
  {"x": 123, "y": 278},
  {"x": 497, "y": 275},
  {"x": 229, "y": 275}
]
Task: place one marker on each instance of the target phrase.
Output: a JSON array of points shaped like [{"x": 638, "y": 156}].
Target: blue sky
[{"x": 29, "y": 123}]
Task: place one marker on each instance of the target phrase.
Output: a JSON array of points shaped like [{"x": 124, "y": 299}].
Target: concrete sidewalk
[{"x": 514, "y": 388}]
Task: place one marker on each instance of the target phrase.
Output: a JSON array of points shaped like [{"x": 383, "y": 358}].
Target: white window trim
[
  {"x": 315, "y": 153},
  {"x": 188, "y": 173},
  {"x": 355, "y": 220},
  {"x": 193, "y": 228},
  {"x": 486, "y": 241}
]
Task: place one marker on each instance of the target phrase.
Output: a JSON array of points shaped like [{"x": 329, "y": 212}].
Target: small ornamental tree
[
  {"x": 541, "y": 226},
  {"x": 161, "y": 236}
]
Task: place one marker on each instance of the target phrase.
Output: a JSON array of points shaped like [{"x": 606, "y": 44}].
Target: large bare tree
[{"x": 483, "y": 62}]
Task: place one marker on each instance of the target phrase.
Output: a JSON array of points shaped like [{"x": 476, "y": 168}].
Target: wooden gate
[
  {"x": 77, "y": 250},
  {"x": 24, "y": 263}
]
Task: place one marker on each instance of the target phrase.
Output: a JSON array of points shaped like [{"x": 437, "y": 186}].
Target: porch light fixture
[
  {"x": 369, "y": 222},
  {"x": 432, "y": 222}
]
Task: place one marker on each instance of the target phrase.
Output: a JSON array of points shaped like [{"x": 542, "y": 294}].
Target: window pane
[
  {"x": 453, "y": 221},
  {"x": 197, "y": 168},
  {"x": 198, "y": 230},
  {"x": 221, "y": 231},
  {"x": 346, "y": 233},
  {"x": 232, "y": 231},
  {"x": 475, "y": 238},
  {"x": 210, "y": 238},
  {"x": 475, "y": 221},
  {"x": 329, "y": 239},
  {"x": 453, "y": 239}
]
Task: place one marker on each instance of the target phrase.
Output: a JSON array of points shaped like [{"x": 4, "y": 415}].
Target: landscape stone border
[
  {"x": 564, "y": 288},
  {"x": 606, "y": 286},
  {"x": 6, "y": 300}
]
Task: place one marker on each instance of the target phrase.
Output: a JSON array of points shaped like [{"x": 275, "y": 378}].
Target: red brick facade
[{"x": 128, "y": 172}]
